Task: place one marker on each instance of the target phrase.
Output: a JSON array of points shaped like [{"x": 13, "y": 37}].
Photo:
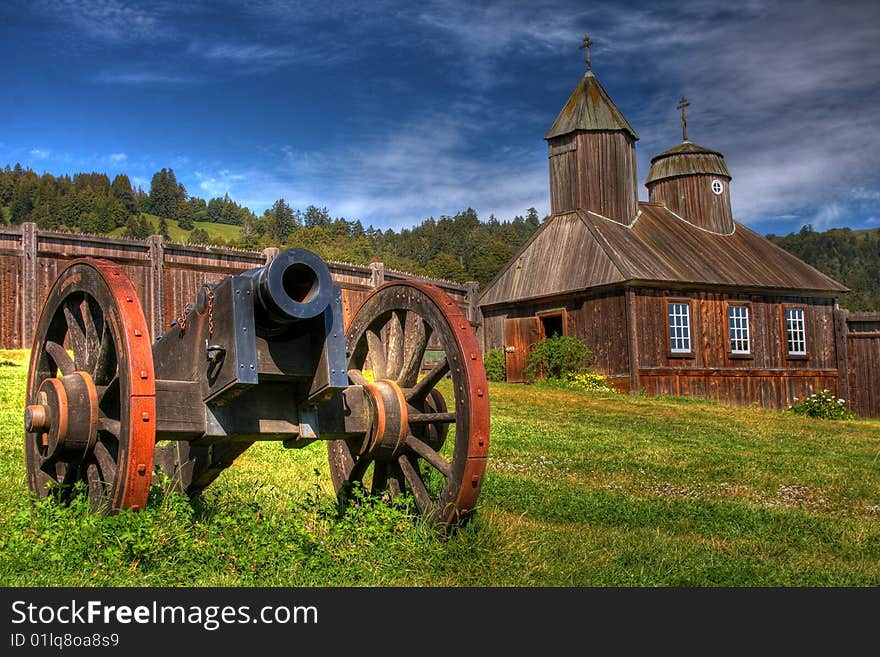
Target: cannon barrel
[{"x": 296, "y": 285}]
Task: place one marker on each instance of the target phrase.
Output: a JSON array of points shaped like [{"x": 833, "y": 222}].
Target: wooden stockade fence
[
  {"x": 166, "y": 276},
  {"x": 862, "y": 360}
]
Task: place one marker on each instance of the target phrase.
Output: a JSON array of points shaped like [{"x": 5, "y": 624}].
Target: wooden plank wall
[
  {"x": 598, "y": 319},
  {"x": 595, "y": 171},
  {"x": 768, "y": 377},
  {"x": 11, "y": 290},
  {"x": 863, "y": 348},
  {"x": 691, "y": 197},
  {"x": 166, "y": 276},
  {"x": 708, "y": 325}
]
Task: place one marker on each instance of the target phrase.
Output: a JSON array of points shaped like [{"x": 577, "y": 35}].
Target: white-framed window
[
  {"x": 795, "y": 332},
  {"x": 679, "y": 327},
  {"x": 738, "y": 329}
]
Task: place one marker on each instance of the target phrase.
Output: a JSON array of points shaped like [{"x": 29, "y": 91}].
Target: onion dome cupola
[
  {"x": 592, "y": 154},
  {"x": 693, "y": 182}
]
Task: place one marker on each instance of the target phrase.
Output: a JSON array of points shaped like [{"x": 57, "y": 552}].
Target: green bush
[
  {"x": 495, "y": 364},
  {"x": 558, "y": 357},
  {"x": 823, "y": 405}
]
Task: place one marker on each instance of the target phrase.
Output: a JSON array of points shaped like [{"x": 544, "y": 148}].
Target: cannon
[{"x": 262, "y": 355}]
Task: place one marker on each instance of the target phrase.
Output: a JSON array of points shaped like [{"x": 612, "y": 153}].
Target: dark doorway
[{"x": 552, "y": 325}]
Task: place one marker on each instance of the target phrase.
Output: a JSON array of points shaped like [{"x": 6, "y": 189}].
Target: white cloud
[
  {"x": 39, "y": 153},
  {"x": 220, "y": 183},
  {"x": 117, "y": 158},
  {"x": 827, "y": 216},
  {"x": 111, "y": 20},
  {"x": 136, "y": 78}
]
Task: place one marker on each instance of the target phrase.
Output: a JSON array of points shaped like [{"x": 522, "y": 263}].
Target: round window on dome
[{"x": 717, "y": 187}]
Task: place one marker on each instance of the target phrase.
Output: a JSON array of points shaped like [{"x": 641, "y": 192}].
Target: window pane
[
  {"x": 679, "y": 328},
  {"x": 795, "y": 329},
  {"x": 738, "y": 329}
]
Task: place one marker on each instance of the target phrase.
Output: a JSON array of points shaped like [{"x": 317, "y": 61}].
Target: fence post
[
  {"x": 157, "y": 284},
  {"x": 377, "y": 274},
  {"x": 841, "y": 339},
  {"x": 471, "y": 296},
  {"x": 29, "y": 240}
]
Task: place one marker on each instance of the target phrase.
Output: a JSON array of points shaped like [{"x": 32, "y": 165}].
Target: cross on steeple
[
  {"x": 682, "y": 103},
  {"x": 586, "y": 46}
]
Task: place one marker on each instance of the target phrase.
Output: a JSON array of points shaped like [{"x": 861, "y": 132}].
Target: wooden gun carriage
[{"x": 262, "y": 355}]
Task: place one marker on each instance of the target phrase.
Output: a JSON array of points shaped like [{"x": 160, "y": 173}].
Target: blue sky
[{"x": 391, "y": 112}]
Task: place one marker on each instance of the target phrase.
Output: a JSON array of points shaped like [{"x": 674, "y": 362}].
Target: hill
[
  {"x": 220, "y": 234},
  {"x": 851, "y": 257}
]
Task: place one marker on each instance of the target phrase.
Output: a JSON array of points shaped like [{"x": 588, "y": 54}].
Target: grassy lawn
[
  {"x": 177, "y": 234},
  {"x": 581, "y": 490}
]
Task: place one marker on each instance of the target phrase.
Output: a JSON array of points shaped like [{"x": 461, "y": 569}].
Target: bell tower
[
  {"x": 693, "y": 182},
  {"x": 592, "y": 154}
]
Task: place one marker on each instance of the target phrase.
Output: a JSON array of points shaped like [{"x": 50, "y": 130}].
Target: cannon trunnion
[{"x": 262, "y": 355}]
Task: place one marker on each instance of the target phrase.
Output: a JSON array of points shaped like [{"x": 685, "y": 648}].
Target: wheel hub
[
  {"x": 389, "y": 424},
  {"x": 65, "y": 416}
]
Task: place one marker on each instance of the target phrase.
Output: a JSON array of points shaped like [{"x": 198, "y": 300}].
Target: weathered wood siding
[
  {"x": 598, "y": 319},
  {"x": 185, "y": 269},
  {"x": 594, "y": 171},
  {"x": 863, "y": 347},
  {"x": 166, "y": 276},
  {"x": 691, "y": 197},
  {"x": 12, "y": 257},
  {"x": 767, "y": 376}
]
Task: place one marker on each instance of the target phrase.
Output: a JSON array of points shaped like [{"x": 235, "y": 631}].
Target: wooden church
[{"x": 672, "y": 295}]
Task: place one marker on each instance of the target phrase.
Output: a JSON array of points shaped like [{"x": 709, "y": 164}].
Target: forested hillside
[
  {"x": 459, "y": 248},
  {"x": 848, "y": 256}
]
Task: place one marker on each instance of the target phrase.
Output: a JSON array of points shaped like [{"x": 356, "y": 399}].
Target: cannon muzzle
[{"x": 296, "y": 285}]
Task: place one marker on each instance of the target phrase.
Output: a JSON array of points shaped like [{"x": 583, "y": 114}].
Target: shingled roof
[
  {"x": 589, "y": 108},
  {"x": 684, "y": 160},
  {"x": 586, "y": 250}
]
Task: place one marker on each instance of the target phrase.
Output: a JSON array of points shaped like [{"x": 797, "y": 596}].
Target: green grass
[
  {"x": 581, "y": 490},
  {"x": 177, "y": 234}
]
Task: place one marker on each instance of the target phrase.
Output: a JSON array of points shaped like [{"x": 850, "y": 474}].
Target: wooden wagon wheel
[
  {"x": 91, "y": 415},
  {"x": 407, "y": 448}
]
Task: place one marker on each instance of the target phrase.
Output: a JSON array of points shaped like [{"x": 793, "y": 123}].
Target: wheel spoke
[
  {"x": 105, "y": 360},
  {"x": 380, "y": 477},
  {"x": 92, "y": 339},
  {"x": 431, "y": 379},
  {"x": 430, "y": 418},
  {"x": 395, "y": 482},
  {"x": 394, "y": 360},
  {"x": 377, "y": 354},
  {"x": 426, "y": 452},
  {"x": 62, "y": 359},
  {"x": 109, "y": 425},
  {"x": 95, "y": 485},
  {"x": 357, "y": 377},
  {"x": 416, "y": 338},
  {"x": 423, "y": 498},
  {"x": 109, "y": 394},
  {"x": 105, "y": 461},
  {"x": 76, "y": 332},
  {"x": 359, "y": 469}
]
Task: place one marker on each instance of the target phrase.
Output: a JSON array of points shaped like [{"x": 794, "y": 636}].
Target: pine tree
[
  {"x": 121, "y": 190},
  {"x": 166, "y": 195},
  {"x": 280, "y": 221},
  {"x": 163, "y": 228}
]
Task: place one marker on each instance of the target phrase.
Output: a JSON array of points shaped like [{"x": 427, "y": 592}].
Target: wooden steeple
[
  {"x": 592, "y": 154},
  {"x": 693, "y": 182}
]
